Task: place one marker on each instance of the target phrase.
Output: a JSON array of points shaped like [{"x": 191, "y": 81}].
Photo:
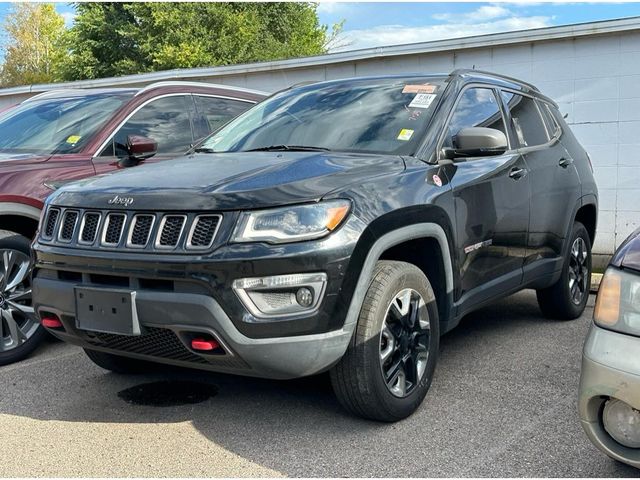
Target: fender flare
[
  {"x": 13, "y": 208},
  {"x": 386, "y": 241}
]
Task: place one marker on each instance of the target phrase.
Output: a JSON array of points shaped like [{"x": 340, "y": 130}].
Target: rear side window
[
  {"x": 213, "y": 112},
  {"x": 477, "y": 107},
  {"x": 166, "y": 120},
  {"x": 527, "y": 121},
  {"x": 550, "y": 121}
]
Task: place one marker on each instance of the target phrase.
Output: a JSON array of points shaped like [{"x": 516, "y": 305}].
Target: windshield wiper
[
  {"x": 289, "y": 148},
  {"x": 204, "y": 150}
]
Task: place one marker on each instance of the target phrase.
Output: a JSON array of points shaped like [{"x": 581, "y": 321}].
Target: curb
[{"x": 596, "y": 278}]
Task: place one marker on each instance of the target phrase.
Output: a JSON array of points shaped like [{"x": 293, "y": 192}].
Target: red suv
[{"x": 65, "y": 135}]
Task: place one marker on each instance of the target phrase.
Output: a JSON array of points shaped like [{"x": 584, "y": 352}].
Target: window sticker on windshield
[
  {"x": 426, "y": 88},
  {"x": 422, "y": 100},
  {"x": 405, "y": 134},
  {"x": 73, "y": 139}
]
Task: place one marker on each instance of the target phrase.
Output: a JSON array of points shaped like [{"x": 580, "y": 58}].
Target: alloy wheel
[
  {"x": 578, "y": 271},
  {"x": 18, "y": 321},
  {"x": 404, "y": 342}
]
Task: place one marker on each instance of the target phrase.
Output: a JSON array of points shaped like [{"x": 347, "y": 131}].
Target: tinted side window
[
  {"x": 166, "y": 120},
  {"x": 477, "y": 107},
  {"x": 549, "y": 119},
  {"x": 213, "y": 112},
  {"x": 527, "y": 122}
]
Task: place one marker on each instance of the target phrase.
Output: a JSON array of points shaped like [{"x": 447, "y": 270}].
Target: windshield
[
  {"x": 370, "y": 115},
  {"x": 56, "y": 125}
]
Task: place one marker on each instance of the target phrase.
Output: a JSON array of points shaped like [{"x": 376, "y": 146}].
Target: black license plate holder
[{"x": 106, "y": 310}]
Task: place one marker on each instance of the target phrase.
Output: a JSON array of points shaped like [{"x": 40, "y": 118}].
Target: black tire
[
  {"x": 33, "y": 334},
  {"x": 358, "y": 379},
  {"x": 558, "y": 301},
  {"x": 118, "y": 364}
]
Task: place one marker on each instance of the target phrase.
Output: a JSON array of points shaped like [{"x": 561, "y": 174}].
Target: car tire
[
  {"x": 20, "y": 329},
  {"x": 567, "y": 298},
  {"x": 391, "y": 320},
  {"x": 119, "y": 364}
]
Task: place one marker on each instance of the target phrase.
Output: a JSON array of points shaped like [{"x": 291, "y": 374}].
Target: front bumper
[
  {"x": 610, "y": 369},
  {"x": 169, "y": 318}
]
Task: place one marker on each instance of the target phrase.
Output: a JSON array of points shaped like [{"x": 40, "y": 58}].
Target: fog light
[
  {"x": 622, "y": 422},
  {"x": 304, "y": 297},
  {"x": 281, "y": 296}
]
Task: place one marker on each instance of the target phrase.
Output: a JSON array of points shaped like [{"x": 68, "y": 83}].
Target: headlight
[
  {"x": 291, "y": 224},
  {"x": 618, "y": 303}
]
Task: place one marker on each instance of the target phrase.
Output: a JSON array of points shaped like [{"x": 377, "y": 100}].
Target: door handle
[
  {"x": 517, "y": 173},
  {"x": 565, "y": 162}
]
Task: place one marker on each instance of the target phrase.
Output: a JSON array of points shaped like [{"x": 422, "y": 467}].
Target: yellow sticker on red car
[{"x": 73, "y": 138}]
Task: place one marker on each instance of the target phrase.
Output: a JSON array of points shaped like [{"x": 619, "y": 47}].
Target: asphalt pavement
[{"x": 502, "y": 403}]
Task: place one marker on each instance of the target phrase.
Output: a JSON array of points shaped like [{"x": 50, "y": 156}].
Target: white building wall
[{"x": 595, "y": 79}]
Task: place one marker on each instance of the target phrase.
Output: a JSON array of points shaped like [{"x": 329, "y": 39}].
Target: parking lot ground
[{"x": 503, "y": 403}]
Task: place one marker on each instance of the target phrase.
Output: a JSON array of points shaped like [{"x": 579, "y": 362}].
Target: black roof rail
[{"x": 467, "y": 71}]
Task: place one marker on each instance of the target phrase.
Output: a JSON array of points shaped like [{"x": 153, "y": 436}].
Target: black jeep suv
[{"x": 339, "y": 226}]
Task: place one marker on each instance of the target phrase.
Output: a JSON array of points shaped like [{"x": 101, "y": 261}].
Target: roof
[
  {"x": 496, "y": 39},
  {"x": 59, "y": 91}
]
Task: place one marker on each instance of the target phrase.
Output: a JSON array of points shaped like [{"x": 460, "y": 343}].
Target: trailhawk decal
[{"x": 477, "y": 246}]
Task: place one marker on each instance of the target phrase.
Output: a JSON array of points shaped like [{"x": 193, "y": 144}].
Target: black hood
[
  {"x": 229, "y": 181},
  {"x": 628, "y": 254}
]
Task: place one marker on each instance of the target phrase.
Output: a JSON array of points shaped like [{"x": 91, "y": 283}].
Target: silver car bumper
[{"x": 610, "y": 369}]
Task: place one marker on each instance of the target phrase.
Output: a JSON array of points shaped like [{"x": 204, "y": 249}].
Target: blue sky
[
  {"x": 371, "y": 24},
  {"x": 377, "y": 24}
]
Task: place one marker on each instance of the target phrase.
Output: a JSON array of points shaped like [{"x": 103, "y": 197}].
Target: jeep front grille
[
  {"x": 89, "y": 227},
  {"x": 113, "y": 229},
  {"x": 170, "y": 231},
  {"x": 69, "y": 221},
  {"x": 203, "y": 230},
  {"x": 141, "y": 231},
  {"x": 50, "y": 224}
]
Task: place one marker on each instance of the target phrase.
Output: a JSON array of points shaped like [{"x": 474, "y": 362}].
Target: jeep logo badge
[{"x": 118, "y": 200}]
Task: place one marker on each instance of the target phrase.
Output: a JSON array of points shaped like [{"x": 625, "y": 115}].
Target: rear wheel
[
  {"x": 20, "y": 330},
  {"x": 567, "y": 298},
  {"x": 387, "y": 370},
  {"x": 118, "y": 364}
]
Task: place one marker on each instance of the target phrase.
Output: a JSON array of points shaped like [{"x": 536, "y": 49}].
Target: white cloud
[
  {"x": 485, "y": 12},
  {"x": 399, "y": 34}
]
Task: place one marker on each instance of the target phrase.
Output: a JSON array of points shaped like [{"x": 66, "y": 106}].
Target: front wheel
[
  {"x": 567, "y": 298},
  {"x": 387, "y": 370},
  {"x": 20, "y": 330}
]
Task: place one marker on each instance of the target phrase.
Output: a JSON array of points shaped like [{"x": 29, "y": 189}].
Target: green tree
[
  {"x": 34, "y": 50},
  {"x": 110, "y": 39}
]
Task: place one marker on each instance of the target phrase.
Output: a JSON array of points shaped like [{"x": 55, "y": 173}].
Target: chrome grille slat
[
  {"x": 140, "y": 230},
  {"x": 89, "y": 227},
  {"x": 203, "y": 231},
  {"x": 52, "y": 219},
  {"x": 68, "y": 225},
  {"x": 170, "y": 231},
  {"x": 143, "y": 231},
  {"x": 112, "y": 230}
]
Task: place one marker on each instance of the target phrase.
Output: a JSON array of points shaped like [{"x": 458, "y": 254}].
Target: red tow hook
[
  {"x": 51, "y": 322},
  {"x": 204, "y": 345}
]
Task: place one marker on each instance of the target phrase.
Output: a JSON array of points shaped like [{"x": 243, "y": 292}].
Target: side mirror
[
  {"x": 477, "y": 142},
  {"x": 140, "y": 148}
]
